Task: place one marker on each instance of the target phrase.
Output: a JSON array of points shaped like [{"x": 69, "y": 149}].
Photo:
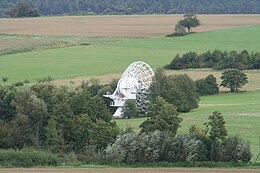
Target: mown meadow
[
  {"x": 241, "y": 112},
  {"x": 114, "y": 54}
]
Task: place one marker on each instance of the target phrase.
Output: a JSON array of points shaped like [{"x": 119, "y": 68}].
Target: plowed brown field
[
  {"x": 126, "y": 26},
  {"x": 127, "y": 170}
]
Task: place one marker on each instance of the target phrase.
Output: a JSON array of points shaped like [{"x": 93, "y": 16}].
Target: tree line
[
  {"x": 75, "y": 123},
  {"x": 217, "y": 59},
  {"x": 55, "y": 118},
  {"x": 65, "y": 118},
  {"x": 87, "y": 7}
]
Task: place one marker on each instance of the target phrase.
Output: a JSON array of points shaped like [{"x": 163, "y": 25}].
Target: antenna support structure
[{"x": 133, "y": 85}]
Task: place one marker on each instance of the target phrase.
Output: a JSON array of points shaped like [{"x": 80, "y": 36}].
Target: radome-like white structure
[{"x": 134, "y": 84}]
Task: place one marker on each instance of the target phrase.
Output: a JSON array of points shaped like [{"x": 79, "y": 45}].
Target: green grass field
[
  {"x": 114, "y": 55},
  {"x": 241, "y": 112},
  {"x": 108, "y": 55}
]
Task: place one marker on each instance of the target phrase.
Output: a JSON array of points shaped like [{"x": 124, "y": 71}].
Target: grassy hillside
[
  {"x": 241, "y": 112},
  {"x": 113, "y": 57}
]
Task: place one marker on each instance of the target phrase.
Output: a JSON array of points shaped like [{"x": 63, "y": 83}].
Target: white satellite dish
[{"x": 133, "y": 85}]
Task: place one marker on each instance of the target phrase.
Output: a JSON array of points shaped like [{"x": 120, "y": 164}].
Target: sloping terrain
[{"x": 120, "y": 26}]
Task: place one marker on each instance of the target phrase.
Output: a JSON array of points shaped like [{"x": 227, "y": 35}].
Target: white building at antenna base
[{"x": 133, "y": 85}]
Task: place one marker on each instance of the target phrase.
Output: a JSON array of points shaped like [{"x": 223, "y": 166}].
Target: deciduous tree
[
  {"x": 163, "y": 116},
  {"x": 130, "y": 109},
  {"x": 23, "y": 9},
  {"x": 233, "y": 79},
  {"x": 179, "y": 90},
  {"x": 190, "y": 21}
]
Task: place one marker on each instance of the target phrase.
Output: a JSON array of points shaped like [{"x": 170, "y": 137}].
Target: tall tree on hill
[{"x": 190, "y": 21}]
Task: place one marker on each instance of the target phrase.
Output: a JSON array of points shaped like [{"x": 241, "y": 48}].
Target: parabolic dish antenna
[{"x": 133, "y": 85}]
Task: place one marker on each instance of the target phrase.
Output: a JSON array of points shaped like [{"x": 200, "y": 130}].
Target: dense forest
[
  {"x": 85, "y": 7},
  {"x": 46, "y": 125}
]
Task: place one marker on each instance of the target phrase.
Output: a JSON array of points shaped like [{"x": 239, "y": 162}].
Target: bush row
[
  {"x": 162, "y": 146},
  {"x": 217, "y": 59},
  {"x": 28, "y": 157}
]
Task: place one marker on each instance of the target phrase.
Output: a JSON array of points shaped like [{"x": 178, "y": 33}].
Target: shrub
[
  {"x": 45, "y": 79},
  {"x": 91, "y": 155},
  {"x": 28, "y": 157},
  {"x": 155, "y": 146},
  {"x": 123, "y": 149},
  {"x": 179, "y": 90},
  {"x": 162, "y": 117},
  {"x": 129, "y": 148},
  {"x": 179, "y": 30},
  {"x": 148, "y": 147},
  {"x": 183, "y": 93},
  {"x": 130, "y": 109},
  {"x": 70, "y": 159},
  {"x": 207, "y": 86},
  {"x": 188, "y": 148},
  {"x": 4, "y": 79},
  {"x": 235, "y": 149},
  {"x": 103, "y": 133}
]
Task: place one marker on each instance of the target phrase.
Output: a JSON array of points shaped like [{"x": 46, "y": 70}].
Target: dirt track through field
[
  {"x": 126, "y": 26},
  {"x": 128, "y": 170}
]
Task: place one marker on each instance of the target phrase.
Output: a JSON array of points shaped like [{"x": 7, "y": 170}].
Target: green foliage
[
  {"x": 52, "y": 138},
  {"x": 123, "y": 149},
  {"x": 4, "y": 79},
  {"x": 155, "y": 51},
  {"x": 217, "y": 123},
  {"x": 233, "y": 79},
  {"x": 91, "y": 7},
  {"x": 130, "y": 109},
  {"x": 195, "y": 130},
  {"x": 4, "y": 132},
  {"x": 189, "y": 149},
  {"x": 179, "y": 30},
  {"x": 92, "y": 155},
  {"x": 161, "y": 146},
  {"x": 103, "y": 133},
  {"x": 23, "y": 9},
  {"x": 217, "y": 59},
  {"x": 21, "y": 133},
  {"x": 239, "y": 110},
  {"x": 7, "y": 94},
  {"x": 162, "y": 116},
  {"x": 130, "y": 148},
  {"x": 28, "y": 157},
  {"x": 83, "y": 103},
  {"x": 183, "y": 93},
  {"x": 217, "y": 133},
  {"x": 60, "y": 119},
  {"x": 45, "y": 79},
  {"x": 207, "y": 86},
  {"x": 235, "y": 149},
  {"x": 80, "y": 132},
  {"x": 190, "y": 21},
  {"x": 155, "y": 146},
  {"x": 205, "y": 164},
  {"x": 178, "y": 90},
  {"x": 28, "y": 104}
]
